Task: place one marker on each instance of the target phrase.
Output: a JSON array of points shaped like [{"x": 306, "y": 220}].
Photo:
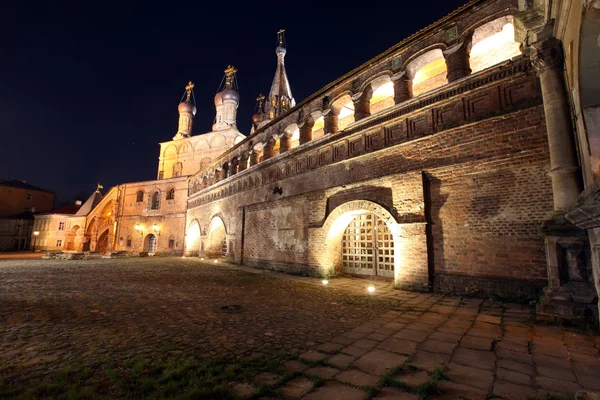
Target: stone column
[
  {"x": 547, "y": 60},
  {"x": 457, "y": 61},
  {"x": 285, "y": 143},
  {"x": 402, "y": 87},
  {"x": 217, "y": 175},
  {"x": 233, "y": 166},
  {"x": 242, "y": 162},
  {"x": 254, "y": 157},
  {"x": 330, "y": 121},
  {"x": 306, "y": 131},
  {"x": 268, "y": 151},
  {"x": 362, "y": 105}
]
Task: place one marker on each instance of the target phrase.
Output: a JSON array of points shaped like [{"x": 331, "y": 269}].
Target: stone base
[
  {"x": 93, "y": 255},
  {"x": 74, "y": 256},
  {"x": 573, "y": 302},
  {"x": 515, "y": 290}
]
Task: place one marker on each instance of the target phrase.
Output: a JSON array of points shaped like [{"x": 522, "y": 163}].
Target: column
[
  {"x": 330, "y": 121},
  {"x": 254, "y": 157},
  {"x": 457, "y": 61},
  {"x": 362, "y": 104},
  {"x": 306, "y": 131},
  {"x": 402, "y": 87},
  {"x": 242, "y": 162},
  {"x": 233, "y": 167},
  {"x": 285, "y": 143},
  {"x": 547, "y": 59},
  {"x": 268, "y": 150}
]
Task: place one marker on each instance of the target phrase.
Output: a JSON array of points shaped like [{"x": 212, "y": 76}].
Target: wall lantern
[
  {"x": 156, "y": 229},
  {"x": 139, "y": 229}
]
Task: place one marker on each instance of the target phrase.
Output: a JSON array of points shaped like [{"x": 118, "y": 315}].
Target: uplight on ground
[
  {"x": 325, "y": 282},
  {"x": 371, "y": 289}
]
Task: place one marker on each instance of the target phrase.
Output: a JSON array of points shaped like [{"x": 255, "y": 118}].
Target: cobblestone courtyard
[{"x": 350, "y": 344}]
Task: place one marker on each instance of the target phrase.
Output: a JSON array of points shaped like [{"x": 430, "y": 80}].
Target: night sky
[{"x": 89, "y": 89}]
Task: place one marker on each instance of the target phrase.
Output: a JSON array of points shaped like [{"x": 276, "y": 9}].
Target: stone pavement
[{"x": 352, "y": 345}]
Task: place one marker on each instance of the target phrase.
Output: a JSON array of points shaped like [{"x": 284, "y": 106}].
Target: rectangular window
[
  {"x": 59, "y": 243},
  {"x": 129, "y": 242},
  {"x": 61, "y": 225},
  {"x": 28, "y": 196},
  {"x": 171, "y": 243}
]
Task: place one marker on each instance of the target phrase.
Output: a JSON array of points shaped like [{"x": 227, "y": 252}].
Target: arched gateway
[{"x": 362, "y": 238}]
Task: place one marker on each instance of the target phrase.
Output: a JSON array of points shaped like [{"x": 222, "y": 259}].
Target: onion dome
[
  {"x": 219, "y": 99},
  {"x": 186, "y": 107},
  {"x": 230, "y": 95}
]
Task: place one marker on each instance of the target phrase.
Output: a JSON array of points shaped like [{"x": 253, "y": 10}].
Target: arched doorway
[
  {"x": 217, "y": 241},
  {"x": 368, "y": 247},
  {"x": 70, "y": 244},
  {"x": 193, "y": 238},
  {"x": 150, "y": 243},
  {"x": 362, "y": 238},
  {"x": 102, "y": 243}
]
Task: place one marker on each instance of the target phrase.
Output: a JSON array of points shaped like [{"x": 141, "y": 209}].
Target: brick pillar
[
  {"x": 402, "y": 87},
  {"x": 242, "y": 162},
  {"x": 233, "y": 167},
  {"x": 268, "y": 150},
  {"x": 330, "y": 120},
  {"x": 547, "y": 60},
  {"x": 254, "y": 157},
  {"x": 217, "y": 175},
  {"x": 457, "y": 61},
  {"x": 362, "y": 105},
  {"x": 306, "y": 131},
  {"x": 285, "y": 143}
]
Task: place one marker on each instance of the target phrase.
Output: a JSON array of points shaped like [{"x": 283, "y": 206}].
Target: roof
[
  {"x": 23, "y": 215},
  {"x": 68, "y": 209},
  {"x": 89, "y": 204},
  {"x": 21, "y": 185}
]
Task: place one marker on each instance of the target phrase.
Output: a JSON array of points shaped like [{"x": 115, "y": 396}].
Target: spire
[{"x": 280, "y": 97}]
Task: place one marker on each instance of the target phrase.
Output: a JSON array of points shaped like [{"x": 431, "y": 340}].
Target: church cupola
[
  {"x": 187, "y": 111},
  {"x": 227, "y": 102},
  {"x": 259, "y": 116},
  {"x": 280, "y": 98}
]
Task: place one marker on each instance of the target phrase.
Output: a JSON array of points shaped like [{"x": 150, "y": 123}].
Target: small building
[
  {"x": 15, "y": 231},
  {"x": 18, "y": 197}
]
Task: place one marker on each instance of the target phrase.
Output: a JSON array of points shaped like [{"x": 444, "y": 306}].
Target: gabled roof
[
  {"x": 68, "y": 209},
  {"x": 90, "y": 203},
  {"x": 21, "y": 185}
]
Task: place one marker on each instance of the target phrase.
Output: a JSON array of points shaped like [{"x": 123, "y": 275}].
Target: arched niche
[
  {"x": 427, "y": 71},
  {"x": 493, "y": 43}
]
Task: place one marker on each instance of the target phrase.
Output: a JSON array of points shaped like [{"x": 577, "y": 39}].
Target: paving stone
[
  {"x": 244, "y": 390},
  {"x": 476, "y": 343},
  {"x": 365, "y": 344},
  {"x": 296, "y": 388},
  {"x": 357, "y": 377},
  {"x": 330, "y": 347},
  {"x": 512, "y": 346},
  {"x": 508, "y": 390},
  {"x": 354, "y": 351},
  {"x": 553, "y": 351},
  {"x": 513, "y": 376},
  {"x": 429, "y": 361},
  {"x": 588, "y": 375},
  {"x": 377, "y": 337},
  {"x": 337, "y": 391},
  {"x": 378, "y": 362},
  {"x": 474, "y": 358},
  {"x": 453, "y": 391},
  {"x": 342, "y": 339},
  {"x": 445, "y": 337},
  {"x": 556, "y": 385},
  {"x": 477, "y": 377},
  {"x": 412, "y": 335},
  {"x": 514, "y": 356},
  {"x": 558, "y": 373},
  {"x": 517, "y": 366},
  {"x": 322, "y": 371},
  {"x": 267, "y": 378},
  {"x": 489, "y": 319},
  {"x": 313, "y": 355},
  {"x": 341, "y": 360},
  {"x": 542, "y": 360},
  {"x": 399, "y": 346},
  {"x": 434, "y": 346},
  {"x": 392, "y": 393},
  {"x": 413, "y": 379},
  {"x": 294, "y": 366}
]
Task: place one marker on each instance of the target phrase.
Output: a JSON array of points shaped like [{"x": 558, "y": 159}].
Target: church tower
[
  {"x": 227, "y": 102},
  {"x": 280, "y": 98},
  {"x": 187, "y": 111}
]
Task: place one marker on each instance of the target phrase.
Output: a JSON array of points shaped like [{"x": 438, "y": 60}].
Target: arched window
[
  {"x": 129, "y": 241},
  {"x": 171, "y": 194},
  {"x": 155, "y": 201},
  {"x": 140, "y": 196}
]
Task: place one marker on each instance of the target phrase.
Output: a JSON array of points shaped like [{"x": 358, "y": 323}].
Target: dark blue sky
[{"x": 89, "y": 88}]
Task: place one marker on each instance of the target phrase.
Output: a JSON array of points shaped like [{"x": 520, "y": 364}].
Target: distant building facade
[{"x": 17, "y": 197}]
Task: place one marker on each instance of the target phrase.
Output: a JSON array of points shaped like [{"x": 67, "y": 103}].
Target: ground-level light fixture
[
  {"x": 371, "y": 289},
  {"x": 216, "y": 261},
  {"x": 202, "y": 258},
  {"x": 325, "y": 282},
  {"x": 35, "y": 233}
]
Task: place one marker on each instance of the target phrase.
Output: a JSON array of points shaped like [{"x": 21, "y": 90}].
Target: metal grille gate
[{"x": 368, "y": 247}]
